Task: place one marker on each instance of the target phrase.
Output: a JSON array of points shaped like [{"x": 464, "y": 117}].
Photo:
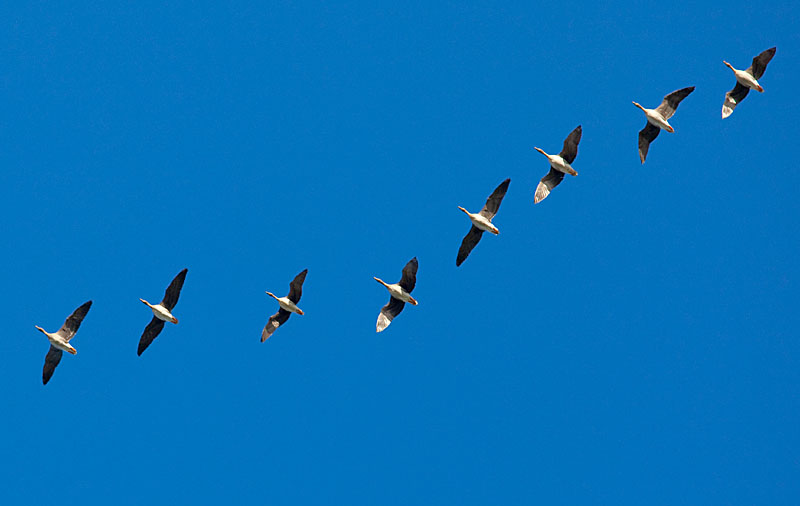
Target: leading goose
[
  {"x": 162, "y": 312},
  {"x": 746, "y": 80},
  {"x": 59, "y": 341},
  {"x": 657, "y": 119},
  {"x": 400, "y": 294},
  {"x": 288, "y": 306},
  {"x": 560, "y": 164},
  {"x": 482, "y": 221}
]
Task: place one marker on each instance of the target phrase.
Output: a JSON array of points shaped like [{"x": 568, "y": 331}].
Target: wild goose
[
  {"x": 400, "y": 294},
  {"x": 162, "y": 312},
  {"x": 59, "y": 341},
  {"x": 560, "y": 164},
  {"x": 482, "y": 221},
  {"x": 288, "y": 306},
  {"x": 746, "y": 80},
  {"x": 657, "y": 119}
]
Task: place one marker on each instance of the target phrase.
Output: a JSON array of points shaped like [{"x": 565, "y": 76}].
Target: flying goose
[
  {"x": 559, "y": 165},
  {"x": 746, "y": 80},
  {"x": 657, "y": 119},
  {"x": 288, "y": 306},
  {"x": 482, "y": 221},
  {"x": 162, "y": 312},
  {"x": 59, "y": 341},
  {"x": 400, "y": 294}
]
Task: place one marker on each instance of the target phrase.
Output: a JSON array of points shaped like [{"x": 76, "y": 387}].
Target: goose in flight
[
  {"x": 288, "y": 306},
  {"x": 482, "y": 221},
  {"x": 657, "y": 119},
  {"x": 400, "y": 294},
  {"x": 559, "y": 165},
  {"x": 162, "y": 312},
  {"x": 746, "y": 80},
  {"x": 59, "y": 341}
]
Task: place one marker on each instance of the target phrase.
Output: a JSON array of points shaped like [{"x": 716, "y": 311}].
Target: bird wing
[
  {"x": 732, "y": 99},
  {"x": 570, "y": 149},
  {"x": 150, "y": 333},
  {"x": 388, "y": 313},
  {"x": 274, "y": 322},
  {"x": 296, "y": 287},
  {"x": 671, "y": 101},
  {"x": 174, "y": 290},
  {"x": 409, "y": 279},
  {"x": 647, "y": 135},
  {"x": 70, "y": 327},
  {"x": 470, "y": 241},
  {"x": 494, "y": 200},
  {"x": 546, "y": 185},
  {"x": 760, "y": 63},
  {"x": 51, "y": 360}
]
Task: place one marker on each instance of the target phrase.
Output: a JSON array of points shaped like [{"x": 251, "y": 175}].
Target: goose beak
[
  {"x": 300, "y": 312},
  {"x": 540, "y": 151}
]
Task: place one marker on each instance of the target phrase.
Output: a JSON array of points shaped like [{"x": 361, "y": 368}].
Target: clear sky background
[{"x": 631, "y": 340}]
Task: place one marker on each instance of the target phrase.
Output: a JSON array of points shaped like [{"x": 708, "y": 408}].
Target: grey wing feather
[
  {"x": 51, "y": 360},
  {"x": 570, "y": 149},
  {"x": 71, "y": 325},
  {"x": 388, "y": 313},
  {"x": 760, "y": 63},
  {"x": 470, "y": 241},
  {"x": 274, "y": 322},
  {"x": 733, "y": 98},
  {"x": 150, "y": 333},
  {"x": 546, "y": 185},
  {"x": 495, "y": 199},
  {"x": 174, "y": 290},
  {"x": 671, "y": 101},
  {"x": 296, "y": 287},
  {"x": 409, "y": 279},
  {"x": 647, "y": 135}
]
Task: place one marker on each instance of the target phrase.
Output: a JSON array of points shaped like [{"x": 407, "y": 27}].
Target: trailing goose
[
  {"x": 560, "y": 164},
  {"x": 746, "y": 80},
  {"x": 482, "y": 221},
  {"x": 162, "y": 312},
  {"x": 288, "y": 306},
  {"x": 400, "y": 294},
  {"x": 59, "y": 341},
  {"x": 657, "y": 119}
]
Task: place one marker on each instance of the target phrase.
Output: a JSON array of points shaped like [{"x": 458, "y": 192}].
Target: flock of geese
[{"x": 400, "y": 292}]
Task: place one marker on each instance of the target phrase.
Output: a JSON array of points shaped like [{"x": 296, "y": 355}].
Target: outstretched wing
[
  {"x": 494, "y": 200},
  {"x": 51, "y": 360},
  {"x": 274, "y": 322},
  {"x": 71, "y": 325},
  {"x": 570, "y": 149},
  {"x": 150, "y": 333},
  {"x": 732, "y": 99},
  {"x": 296, "y": 287},
  {"x": 388, "y": 313},
  {"x": 546, "y": 185},
  {"x": 174, "y": 290},
  {"x": 470, "y": 241},
  {"x": 409, "y": 279},
  {"x": 671, "y": 101},
  {"x": 760, "y": 63},
  {"x": 647, "y": 135}
]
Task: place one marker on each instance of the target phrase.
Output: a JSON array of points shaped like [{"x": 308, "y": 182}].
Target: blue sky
[{"x": 630, "y": 340}]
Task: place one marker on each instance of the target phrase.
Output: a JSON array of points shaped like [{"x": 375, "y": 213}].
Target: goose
[
  {"x": 162, "y": 312},
  {"x": 400, "y": 294},
  {"x": 482, "y": 221},
  {"x": 657, "y": 119},
  {"x": 288, "y": 306},
  {"x": 746, "y": 80},
  {"x": 559, "y": 165},
  {"x": 59, "y": 341}
]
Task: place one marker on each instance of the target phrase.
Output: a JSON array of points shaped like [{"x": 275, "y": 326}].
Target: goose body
[
  {"x": 481, "y": 222},
  {"x": 400, "y": 293},
  {"x": 655, "y": 118},
  {"x": 288, "y": 305},
  {"x": 746, "y": 80},
  {"x": 59, "y": 341},
  {"x": 558, "y": 163},
  {"x": 161, "y": 312}
]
